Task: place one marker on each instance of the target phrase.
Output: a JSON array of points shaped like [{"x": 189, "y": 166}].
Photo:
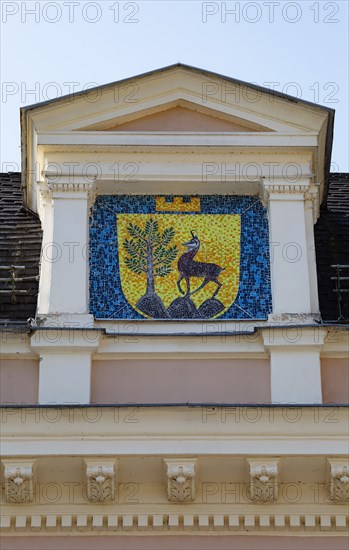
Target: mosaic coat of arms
[{"x": 157, "y": 257}]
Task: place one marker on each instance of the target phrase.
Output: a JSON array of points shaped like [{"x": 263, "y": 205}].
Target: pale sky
[{"x": 51, "y": 48}]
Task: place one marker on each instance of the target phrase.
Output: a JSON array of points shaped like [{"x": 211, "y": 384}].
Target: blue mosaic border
[{"x": 107, "y": 300}]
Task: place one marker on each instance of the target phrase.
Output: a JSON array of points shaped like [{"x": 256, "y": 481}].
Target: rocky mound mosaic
[{"x": 170, "y": 257}]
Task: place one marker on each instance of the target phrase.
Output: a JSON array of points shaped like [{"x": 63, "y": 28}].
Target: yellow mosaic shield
[{"x": 219, "y": 243}]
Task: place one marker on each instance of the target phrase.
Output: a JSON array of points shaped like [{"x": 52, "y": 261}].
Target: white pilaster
[
  {"x": 289, "y": 247},
  {"x": 295, "y": 369},
  {"x": 46, "y": 251},
  {"x": 64, "y": 378},
  {"x": 65, "y": 365},
  {"x": 65, "y": 292}
]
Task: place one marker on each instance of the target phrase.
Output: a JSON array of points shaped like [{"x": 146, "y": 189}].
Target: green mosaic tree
[{"x": 149, "y": 252}]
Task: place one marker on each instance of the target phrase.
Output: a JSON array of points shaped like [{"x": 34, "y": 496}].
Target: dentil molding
[
  {"x": 54, "y": 185},
  {"x": 141, "y": 522}
]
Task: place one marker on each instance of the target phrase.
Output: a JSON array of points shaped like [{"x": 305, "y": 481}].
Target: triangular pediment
[
  {"x": 177, "y": 99},
  {"x": 175, "y": 109}
]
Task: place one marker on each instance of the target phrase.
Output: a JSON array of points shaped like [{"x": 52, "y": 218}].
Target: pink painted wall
[
  {"x": 335, "y": 380},
  {"x": 194, "y": 542},
  {"x": 180, "y": 119},
  {"x": 19, "y": 381},
  {"x": 179, "y": 381}
]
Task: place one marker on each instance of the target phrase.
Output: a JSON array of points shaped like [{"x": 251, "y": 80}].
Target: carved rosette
[
  {"x": 264, "y": 479},
  {"x": 339, "y": 484},
  {"x": 18, "y": 482},
  {"x": 100, "y": 481},
  {"x": 180, "y": 480}
]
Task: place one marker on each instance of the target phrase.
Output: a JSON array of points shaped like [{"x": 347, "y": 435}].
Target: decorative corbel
[
  {"x": 339, "y": 480},
  {"x": 180, "y": 479},
  {"x": 264, "y": 479},
  {"x": 100, "y": 480},
  {"x": 18, "y": 476}
]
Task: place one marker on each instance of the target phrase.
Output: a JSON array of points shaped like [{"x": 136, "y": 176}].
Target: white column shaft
[
  {"x": 289, "y": 262},
  {"x": 312, "y": 269},
  {"x": 69, "y": 271},
  {"x": 295, "y": 376},
  {"x": 46, "y": 264}
]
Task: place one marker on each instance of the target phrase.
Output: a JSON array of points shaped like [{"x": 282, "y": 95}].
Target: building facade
[{"x": 174, "y": 329}]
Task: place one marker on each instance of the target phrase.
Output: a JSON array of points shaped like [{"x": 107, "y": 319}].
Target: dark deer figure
[{"x": 187, "y": 268}]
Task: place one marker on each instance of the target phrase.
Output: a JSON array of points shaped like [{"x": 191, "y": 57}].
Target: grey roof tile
[
  {"x": 20, "y": 249},
  {"x": 332, "y": 248}
]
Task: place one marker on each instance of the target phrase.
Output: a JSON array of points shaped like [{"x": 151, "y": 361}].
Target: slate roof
[
  {"x": 20, "y": 248},
  {"x": 332, "y": 248}
]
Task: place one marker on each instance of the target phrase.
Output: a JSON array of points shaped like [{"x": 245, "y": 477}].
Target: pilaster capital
[
  {"x": 66, "y": 186},
  {"x": 180, "y": 479},
  {"x": 45, "y": 192},
  {"x": 18, "y": 475},
  {"x": 284, "y": 190}
]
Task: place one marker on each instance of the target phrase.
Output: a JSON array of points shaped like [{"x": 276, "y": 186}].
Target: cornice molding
[
  {"x": 80, "y": 138},
  {"x": 209, "y": 430}
]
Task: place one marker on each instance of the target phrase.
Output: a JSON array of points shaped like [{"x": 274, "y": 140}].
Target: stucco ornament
[
  {"x": 180, "y": 480},
  {"x": 264, "y": 480},
  {"x": 339, "y": 485},
  {"x": 19, "y": 483},
  {"x": 100, "y": 482}
]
